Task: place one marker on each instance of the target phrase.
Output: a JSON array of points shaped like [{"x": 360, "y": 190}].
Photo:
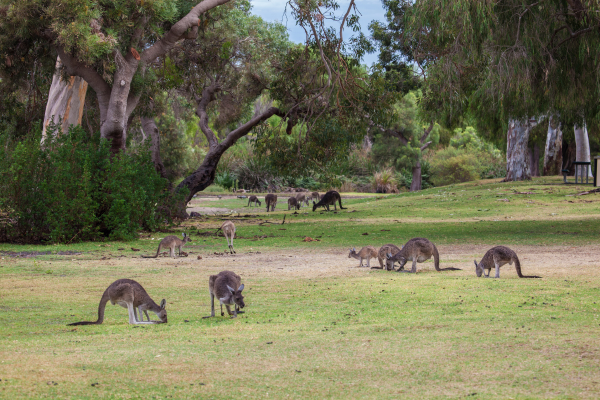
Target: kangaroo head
[
  {"x": 186, "y": 238},
  {"x": 352, "y": 252},
  {"x": 478, "y": 269},
  {"x": 259, "y": 203},
  {"x": 314, "y": 206},
  {"x": 390, "y": 259},
  {"x": 236, "y": 295},
  {"x": 162, "y": 314}
]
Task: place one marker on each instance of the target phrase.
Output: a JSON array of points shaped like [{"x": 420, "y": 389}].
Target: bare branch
[{"x": 426, "y": 133}]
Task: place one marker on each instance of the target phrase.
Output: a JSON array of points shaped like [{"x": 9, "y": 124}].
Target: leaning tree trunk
[
  {"x": 582, "y": 145},
  {"x": 553, "y": 150},
  {"x": 65, "y": 101},
  {"x": 517, "y": 161},
  {"x": 416, "y": 183},
  {"x": 534, "y": 160}
]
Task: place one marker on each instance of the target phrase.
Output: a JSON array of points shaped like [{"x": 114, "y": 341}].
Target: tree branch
[
  {"x": 426, "y": 132},
  {"x": 243, "y": 130},
  {"x": 426, "y": 145},
  {"x": 399, "y": 134},
  {"x": 178, "y": 30},
  {"x": 208, "y": 95}
]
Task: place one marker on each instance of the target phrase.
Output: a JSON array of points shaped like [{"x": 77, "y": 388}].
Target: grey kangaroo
[
  {"x": 497, "y": 257},
  {"x": 366, "y": 252},
  {"x": 131, "y": 295},
  {"x": 417, "y": 250},
  {"x": 315, "y": 195},
  {"x": 328, "y": 199},
  {"x": 293, "y": 203},
  {"x": 271, "y": 200},
  {"x": 382, "y": 253},
  {"x": 226, "y": 286},
  {"x": 171, "y": 242},
  {"x": 301, "y": 197},
  {"x": 255, "y": 200}
]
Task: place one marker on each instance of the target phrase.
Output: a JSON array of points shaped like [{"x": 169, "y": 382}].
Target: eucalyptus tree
[{"x": 506, "y": 62}]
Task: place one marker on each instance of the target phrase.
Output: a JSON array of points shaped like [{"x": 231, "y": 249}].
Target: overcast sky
[{"x": 273, "y": 10}]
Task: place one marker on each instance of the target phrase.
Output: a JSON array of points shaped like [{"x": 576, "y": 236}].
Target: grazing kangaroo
[
  {"x": 367, "y": 252},
  {"x": 383, "y": 251},
  {"x": 171, "y": 242},
  {"x": 301, "y": 197},
  {"x": 228, "y": 229},
  {"x": 497, "y": 257},
  {"x": 227, "y": 287},
  {"x": 416, "y": 250},
  {"x": 131, "y": 295},
  {"x": 293, "y": 203},
  {"x": 329, "y": 199},
  {"x": 315, "y": 195},
  {"x": 255, "y": 200},
  {"x": 271, "y": 200}
]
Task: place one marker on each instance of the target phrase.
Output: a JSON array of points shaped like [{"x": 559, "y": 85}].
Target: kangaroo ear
[
  {"x": 388, "y": 255},
  {"x": 354, "y": 249},
  {"x": 163, "y": 303},
  {"x": 476, "y": 266},
  {"x": 241, "y": 288},
  {"x": 183, "y": 234},
  {"x": 230, "y": 289}
]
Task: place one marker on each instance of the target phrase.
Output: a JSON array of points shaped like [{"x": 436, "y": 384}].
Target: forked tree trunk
[
  {"x": 65, "y": 101},
  {"x": 553, "y": 150},
  {"x": 534, "y": 160},
  {"x": 416, "y": 183},
  {"x": 582, "y": 145},
  {"x": 517, "y": 161}
]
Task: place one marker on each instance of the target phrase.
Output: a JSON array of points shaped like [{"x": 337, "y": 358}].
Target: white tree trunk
[
  {"x": 517, "y": 160},
  {"x": 582, "y": 147},
  {"x": 553, "y": 150},
  {"x": 65, "y": 101}
]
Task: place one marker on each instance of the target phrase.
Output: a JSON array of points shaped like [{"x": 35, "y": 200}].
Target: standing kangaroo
[
  {"x": 315, "y": 195},
  {"x": 416, "y": 250},
  {"x": 367, "y": 252},
  {"x": 301, "y": 197},
  {"x": 227, "y": 287},
  {"x": 329, "y": 199},
  {"x": 497, "y": 257},
  {"x": 171, "y": 242},
  {"x": 271, "y": 200},
  {"x": 131, "y": 295},
  {"x": 228, "y": 229},
  {"x": 293, "y": 203},
  {"x": 382, "y": 253},
  {"x": 255, "y": 200}
]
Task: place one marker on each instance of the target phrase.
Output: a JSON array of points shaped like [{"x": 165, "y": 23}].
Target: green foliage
[
  {"x": 225, "y": 179},
  {"x": 70, "y": 189},
  {"x": 404, "y": 177},
  {"x": 453, "y": 165}
]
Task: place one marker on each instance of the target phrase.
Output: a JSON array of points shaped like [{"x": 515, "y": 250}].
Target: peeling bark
[
  {"x": 416, "y": 183},
  {"x": 534, "y": 160},
  {"x": 582, "y": 146},
  {"x": 553, "y": 150},
  {"x": 65, "y": 101},
  {"x": 517, "y": 161}
]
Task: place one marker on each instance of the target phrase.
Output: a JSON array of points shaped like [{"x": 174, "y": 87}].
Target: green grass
[{"x": 328, "y": 331}]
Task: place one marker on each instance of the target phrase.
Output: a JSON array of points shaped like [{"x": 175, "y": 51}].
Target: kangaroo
[
  {"x": 271, "y": 200},
  {"x": 293, "y": 203},
  {"x": 171, "y": 242},
  {"x": 383, "y": 251},
  {"x": 130, "y": 295},
  {"x": 227, "y": 287},
  {"x": 228, "y": 229},
  {"x": 497, "y": 257},
  {"x": 329, "y": 199},
  {"x": 416, "y": 250},
  {"x": 255, "y": 200},
  {"x": 301, "y": 197},
  {"x": 367, "y": 252},
  {"x": 315, "y": 195}
]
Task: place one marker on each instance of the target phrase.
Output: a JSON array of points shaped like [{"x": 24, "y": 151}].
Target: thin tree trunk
[
  {"x": 534, "y": 160},
  {"x": 65, "y": 101},
  {"x": 149, "y": 128},
  {"x": 416, "y": 177},
  {"x": 568, "y": 156},
  {"x": 517, "y": 162},
  {"x": 582, "y": 146},
  {"x": 553, "y": 150}
]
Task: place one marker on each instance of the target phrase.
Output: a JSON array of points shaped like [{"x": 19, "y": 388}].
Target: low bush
[
  {"x": 452, "y": 165},
  {"x": 70, "y": 189}
]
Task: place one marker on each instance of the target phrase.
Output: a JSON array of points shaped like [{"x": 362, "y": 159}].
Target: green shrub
[
  {"x": 70, "y": 189},
  {"x": 452, "y": 165},
  {"x": 225, "y": 179}
]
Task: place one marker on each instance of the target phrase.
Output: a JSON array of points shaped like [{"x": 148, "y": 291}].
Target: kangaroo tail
[
  {"x": 436, "y": 261},
  {"x": 101, "y": 308},
  {"x": 154, "y": 256},
  {"x": 518, "y": 268},
  {"x": 340, "y": 201}
]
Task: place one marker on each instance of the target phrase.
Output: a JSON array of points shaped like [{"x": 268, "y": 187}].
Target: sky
[{"x": 274, "y": 11}]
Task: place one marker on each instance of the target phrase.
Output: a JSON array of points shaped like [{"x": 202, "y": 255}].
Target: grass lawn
[{"x": 315, "y": 325}]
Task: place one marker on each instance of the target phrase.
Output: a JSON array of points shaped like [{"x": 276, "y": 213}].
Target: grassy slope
[{"x": 376, "y": 335}]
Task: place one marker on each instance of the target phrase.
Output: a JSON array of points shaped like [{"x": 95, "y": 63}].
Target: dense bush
[
  {"x": 452, "y": 165},
  {"x": 70, "y": 189}
]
